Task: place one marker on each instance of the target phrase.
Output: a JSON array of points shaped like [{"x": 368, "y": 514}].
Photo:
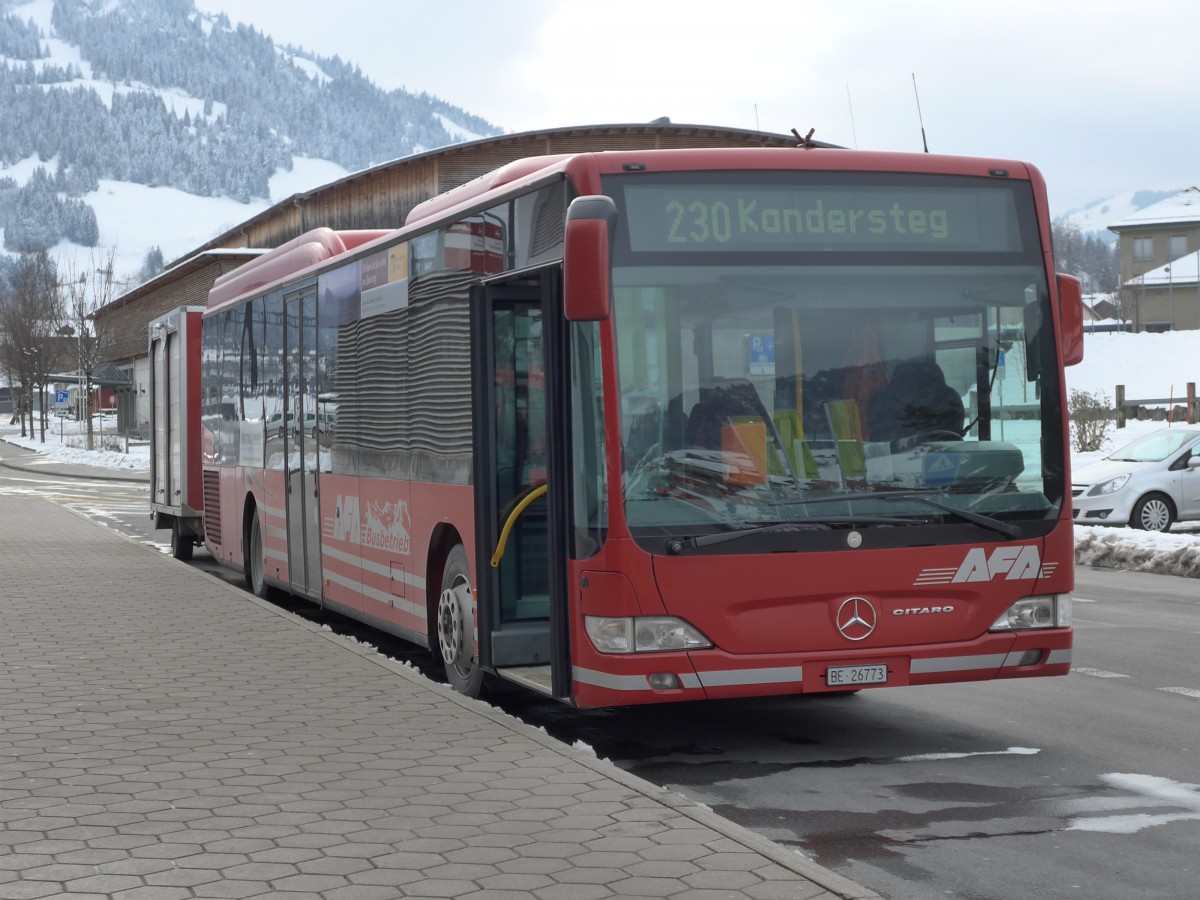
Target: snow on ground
[
  {"x": 307, "y": 173},
  {"x": 1149, "y": 365},
  {"x": 134, "y": 217},
  {"x": 66, "y": 442}
]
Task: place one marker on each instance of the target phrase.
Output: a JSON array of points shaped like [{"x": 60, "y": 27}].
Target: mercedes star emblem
[{"x": 856, "y": 619}]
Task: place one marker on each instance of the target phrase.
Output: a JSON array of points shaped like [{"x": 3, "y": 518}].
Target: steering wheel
[{"x": 937, "y": 434}]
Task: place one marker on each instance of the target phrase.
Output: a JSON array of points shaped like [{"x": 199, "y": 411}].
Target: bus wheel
[
  {"x": 256, "y": 576},
  {"x": 456, "y": 626},
  {"x": 181, "y": 544}
]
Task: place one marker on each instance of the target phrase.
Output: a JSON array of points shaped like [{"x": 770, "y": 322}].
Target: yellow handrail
[{"x": 512, "y": 518}]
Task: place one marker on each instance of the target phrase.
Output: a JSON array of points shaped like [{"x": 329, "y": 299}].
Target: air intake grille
[{"x": 212, "y": 506}]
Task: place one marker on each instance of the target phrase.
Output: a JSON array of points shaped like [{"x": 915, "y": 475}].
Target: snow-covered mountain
[
  {"x": 1096, "y": 216},
  {"x": 129, "y": 124}
]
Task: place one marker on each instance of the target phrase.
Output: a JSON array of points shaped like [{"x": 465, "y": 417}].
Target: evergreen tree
[
  {"x": 152, "y": 265},
  {"x": 259, "y": 110},
  {"x": 1089, "y": 258}
]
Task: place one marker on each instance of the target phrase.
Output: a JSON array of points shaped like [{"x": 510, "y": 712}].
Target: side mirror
[
  {"x": 587, "y": 258},
  {"x": 1070, "y": 316}
]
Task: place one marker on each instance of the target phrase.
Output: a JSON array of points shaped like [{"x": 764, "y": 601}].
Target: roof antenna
[
  {"x": 919, "y": 117},
  {"x": 853, "y": 130}
]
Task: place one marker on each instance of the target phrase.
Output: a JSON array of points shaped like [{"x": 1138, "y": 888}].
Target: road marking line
[
  {"x": 1081, "y": 600},
  {"x": 1097, "y": 673},
  {"x": 1187, "y": 692}
]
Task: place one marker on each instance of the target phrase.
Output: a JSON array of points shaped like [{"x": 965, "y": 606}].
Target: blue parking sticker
[{"x": 941, "y": 468}]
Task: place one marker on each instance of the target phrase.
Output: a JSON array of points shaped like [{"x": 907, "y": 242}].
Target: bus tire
[
  {"x": 181, "y": 544},
  {"x": 455, "y": 625},
  {"x": 256, "y": 574}
]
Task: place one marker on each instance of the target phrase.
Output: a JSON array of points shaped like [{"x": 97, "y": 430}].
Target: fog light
[
  {"x": 664, "y": 681},
  {"x": 1030, "y": 658}
]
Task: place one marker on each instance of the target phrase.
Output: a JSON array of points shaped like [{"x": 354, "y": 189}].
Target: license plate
[{"x": 852, "y": 676}]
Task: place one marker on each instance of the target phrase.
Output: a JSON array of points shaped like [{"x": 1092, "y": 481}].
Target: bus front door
[
  {"x": 518, "y": 449},
  {"x": 300, "y": 444}
]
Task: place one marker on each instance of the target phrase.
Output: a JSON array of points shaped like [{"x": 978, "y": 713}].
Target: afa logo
[{"x": 1014, "y": 563}]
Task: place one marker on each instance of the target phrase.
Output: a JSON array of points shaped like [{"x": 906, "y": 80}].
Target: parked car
[
  {"x": 1149, "y": 484},
  {"x": 276, "y": 423}
]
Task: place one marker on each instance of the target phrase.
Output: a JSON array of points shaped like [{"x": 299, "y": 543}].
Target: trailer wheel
[
  {"x": 181, "y": 544},
  {"x": 256, "y": 577},
  {"x": 456, "y": 625}
]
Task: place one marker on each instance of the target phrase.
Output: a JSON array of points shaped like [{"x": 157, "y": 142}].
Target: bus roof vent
[
  {"x": 477, "y": 187},
  {"x": 287, "y": 259}
]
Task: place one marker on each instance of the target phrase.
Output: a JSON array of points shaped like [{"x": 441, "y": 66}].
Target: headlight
[
  {"x": 1051, "y": 611},
  {"x": 1110, "y": 486},
  {"x": 643, "y": 634}
]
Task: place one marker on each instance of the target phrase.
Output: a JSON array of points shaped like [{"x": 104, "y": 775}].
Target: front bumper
[
  {"x": 1106, "y": 509},
  {"x": 714, "y": 674}
]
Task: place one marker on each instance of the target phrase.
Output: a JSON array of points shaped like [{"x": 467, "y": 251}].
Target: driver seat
[
  {"x": 721, "y": 402},
  {"x": 916, "y": 400}
]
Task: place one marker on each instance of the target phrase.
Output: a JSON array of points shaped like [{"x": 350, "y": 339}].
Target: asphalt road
[{"x": 1076, "y": 787}]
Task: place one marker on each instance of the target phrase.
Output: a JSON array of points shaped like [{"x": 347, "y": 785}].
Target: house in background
[
  {"x": 1102, "y": 313},
  {"x": 1159, "y": 249}
]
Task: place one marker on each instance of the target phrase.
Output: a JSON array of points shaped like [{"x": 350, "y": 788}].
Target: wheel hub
[
  {"x": 452, "y": 616},
  {"x": 1154, "y": 516}
]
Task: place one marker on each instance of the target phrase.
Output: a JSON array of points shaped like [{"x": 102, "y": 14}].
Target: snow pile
[
  {"x": 65, "y": 442},
  {"x": 1138, "y": 551}
]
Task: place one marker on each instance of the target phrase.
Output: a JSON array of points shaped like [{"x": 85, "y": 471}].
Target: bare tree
[
  {"x": 10, "y": 358},
  {"x": 31, "y": 319},
  {"x": 16, "y": 358},
  {"x": 87, "y": 288}
]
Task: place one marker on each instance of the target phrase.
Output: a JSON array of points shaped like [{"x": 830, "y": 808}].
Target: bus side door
[
  {"x": 300, "y": 443},
  {"x": 518, "y": 342}
]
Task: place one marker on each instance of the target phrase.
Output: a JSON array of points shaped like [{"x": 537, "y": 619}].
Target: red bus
[{"x": 633, "y": 427}]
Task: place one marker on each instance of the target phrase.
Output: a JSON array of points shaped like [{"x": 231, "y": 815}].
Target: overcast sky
[{"x": 1104, "y": 97}]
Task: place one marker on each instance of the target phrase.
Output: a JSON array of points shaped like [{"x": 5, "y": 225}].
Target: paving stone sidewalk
[{"x": 164, "y": 735}]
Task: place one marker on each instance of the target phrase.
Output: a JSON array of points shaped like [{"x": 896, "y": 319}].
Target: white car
[{"x": 1148, "y": 484}]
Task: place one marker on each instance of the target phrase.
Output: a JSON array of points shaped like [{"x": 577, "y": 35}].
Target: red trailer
[{"x": 176, "y": 498}]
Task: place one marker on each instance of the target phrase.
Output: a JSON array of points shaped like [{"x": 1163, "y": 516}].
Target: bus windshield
[{"x": 865, "y": 351}]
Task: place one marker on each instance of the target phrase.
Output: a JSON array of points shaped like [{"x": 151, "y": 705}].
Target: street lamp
[
  {"x": 81, "y": 406},
  {"x": 1170, "y": 298},
  {"x": 1141, "y": 303}
]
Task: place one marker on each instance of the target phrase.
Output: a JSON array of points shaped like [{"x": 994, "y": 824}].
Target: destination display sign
[{"x": 709, "y": 217}]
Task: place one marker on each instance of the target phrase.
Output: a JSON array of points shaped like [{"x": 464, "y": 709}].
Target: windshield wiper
[
  {"x": 1006, "y": 529},
  {"x": 814, "y": 523},
  {"x": 1010, "y": 531}
]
